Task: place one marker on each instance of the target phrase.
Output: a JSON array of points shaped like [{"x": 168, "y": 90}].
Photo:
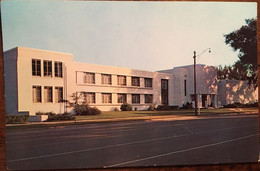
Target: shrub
[
  {"x": 166, "y": 108},
  {"x": 94, "y": 111},
  {"x": 151, "y": 107},
  {"x": 126, "y": 107},
  {"x": 187, "y": 106},
  {"x": 12, "y": 119},
  {"x": 60, "y": 117},
  {"x": 85, "y": 109},
  {"x": 135, "y": 108},
  {"x": 116, "y": 109},
  {"x": 240, "y": 105}
]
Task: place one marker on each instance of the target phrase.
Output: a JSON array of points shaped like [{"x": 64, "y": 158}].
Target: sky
[{"x": 139, "y": 35}]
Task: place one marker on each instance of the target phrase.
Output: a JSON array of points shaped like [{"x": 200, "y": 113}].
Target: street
[{"x": 158, "y": 142}]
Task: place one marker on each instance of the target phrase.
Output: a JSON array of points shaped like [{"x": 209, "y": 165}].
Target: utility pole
[
  {"x": 195, "y": 80},
  {"x": 195, "y": 86}
]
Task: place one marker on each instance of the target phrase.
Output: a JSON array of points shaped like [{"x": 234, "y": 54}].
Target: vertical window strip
[{"x": 185, "y": 87}]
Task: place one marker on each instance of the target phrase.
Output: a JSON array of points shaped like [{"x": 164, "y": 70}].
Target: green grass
[
  {"x": 132, "y": 115},
  {"x": 183, "y": 112}
]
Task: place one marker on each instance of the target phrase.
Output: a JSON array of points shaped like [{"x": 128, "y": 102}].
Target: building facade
[{"x": 42, "y": 81}]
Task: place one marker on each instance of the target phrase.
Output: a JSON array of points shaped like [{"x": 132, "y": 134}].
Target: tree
[
  {"x": 244, "y": 40},
  {"x": 232, "y": 72}
]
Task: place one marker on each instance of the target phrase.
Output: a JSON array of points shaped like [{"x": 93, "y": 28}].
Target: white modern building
[{"x": 40, "y": 80}]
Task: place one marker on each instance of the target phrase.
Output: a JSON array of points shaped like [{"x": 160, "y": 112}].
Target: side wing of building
[{"x": 39, "y": 81}]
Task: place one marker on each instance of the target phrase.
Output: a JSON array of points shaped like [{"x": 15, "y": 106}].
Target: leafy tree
[{"x": 244, "y": 40}]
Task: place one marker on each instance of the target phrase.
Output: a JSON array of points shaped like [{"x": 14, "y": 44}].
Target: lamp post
[{"x": 195, "y": 80}]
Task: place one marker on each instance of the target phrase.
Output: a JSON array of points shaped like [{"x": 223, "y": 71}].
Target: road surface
[{"x": 207, "y": 140}]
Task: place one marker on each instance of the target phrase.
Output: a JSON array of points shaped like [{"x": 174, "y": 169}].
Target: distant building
[{"x": 40, "y": 81}]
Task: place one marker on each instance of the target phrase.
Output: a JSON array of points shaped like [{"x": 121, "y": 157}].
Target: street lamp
[{"x": 195, "y": 80}]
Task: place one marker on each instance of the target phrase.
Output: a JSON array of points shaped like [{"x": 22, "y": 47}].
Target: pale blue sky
[{"x": 140, "y": 35}]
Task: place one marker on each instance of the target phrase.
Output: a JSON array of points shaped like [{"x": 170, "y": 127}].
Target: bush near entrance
[
  {"x": 85, "y": 109},
  {"x": 13, "y": 119},
  {"x": 240, "y": 105},
  {"x": 126, "y": 107}
]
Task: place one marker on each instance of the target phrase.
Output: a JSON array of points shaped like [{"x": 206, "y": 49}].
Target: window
[
  {"x": 89, "y": 97},
  {"x": 121, "y": 80},
  {"x": 135, "y": 81},
  {"x": 106, "y": 98},
  {"x": 36, "y": 67},
  {"x": 89, "y": 78},
  {"x": 121, "y": 98},
  {"x": 185, "y": 87},
  {"x": 148, "y": 98},
  {"x": 37, "y": 94},
  {"x": 47, "y": 94},
  {"x": 135, "y": 98},
  {"x": 148, "y": 82},
  {"x": 58, "y": 69},
  {"x": 58, "y": 94},
  {"x": 47, "y": 66},
  {"x": 106, "y": 79},
  {"x": 164, "y": 91},
  {"x": 164, "y": 84}
]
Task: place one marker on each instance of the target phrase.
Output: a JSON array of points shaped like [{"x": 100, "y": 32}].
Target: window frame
[
  {"x": 121, "y": 80},
  {"x": 148, "y": 82},
  {"x": 121, "y": 98},
  {"x": 135, "y": 81},
  {"x": 35, "y": 93},
  {"x": 36, "y": 67},
  {"x": 90, "y": 97},
  {"x": 48, "y": 94},
  {"x": 59, "y": 94},
  {"x": 47, "y": 68},
  {"x": 135, "y": 98},
  {"x": 106, "y": 79},
  {"x": 58, "y": 68},
  {"x": 106, "y": 97},
  {"x": 146, "y": 100},
  {"x": 92, "y": 79}
]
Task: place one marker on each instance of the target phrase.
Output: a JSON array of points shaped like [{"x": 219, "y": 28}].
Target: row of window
[
  {"x": 90, "y": 97},
  {"x": 48, "y": 94},
  {"x": 89, "y": 78},
  {"x": 47, "y": 68}
]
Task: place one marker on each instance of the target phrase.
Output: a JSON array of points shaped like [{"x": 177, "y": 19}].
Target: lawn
[{"x": 183, "y": 112}]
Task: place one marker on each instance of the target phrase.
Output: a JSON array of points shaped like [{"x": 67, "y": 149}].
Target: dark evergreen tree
[{"x": 244, "y": 40}]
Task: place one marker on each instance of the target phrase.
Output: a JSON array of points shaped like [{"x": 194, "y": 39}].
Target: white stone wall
[
  {"x": 206, "y": 82},
  {"x": 232, "y": 91},
  {"x": 25, "y": 80}
]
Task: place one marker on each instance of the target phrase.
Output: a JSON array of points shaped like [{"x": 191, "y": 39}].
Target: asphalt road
[{"x": 226, "y": 139}]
